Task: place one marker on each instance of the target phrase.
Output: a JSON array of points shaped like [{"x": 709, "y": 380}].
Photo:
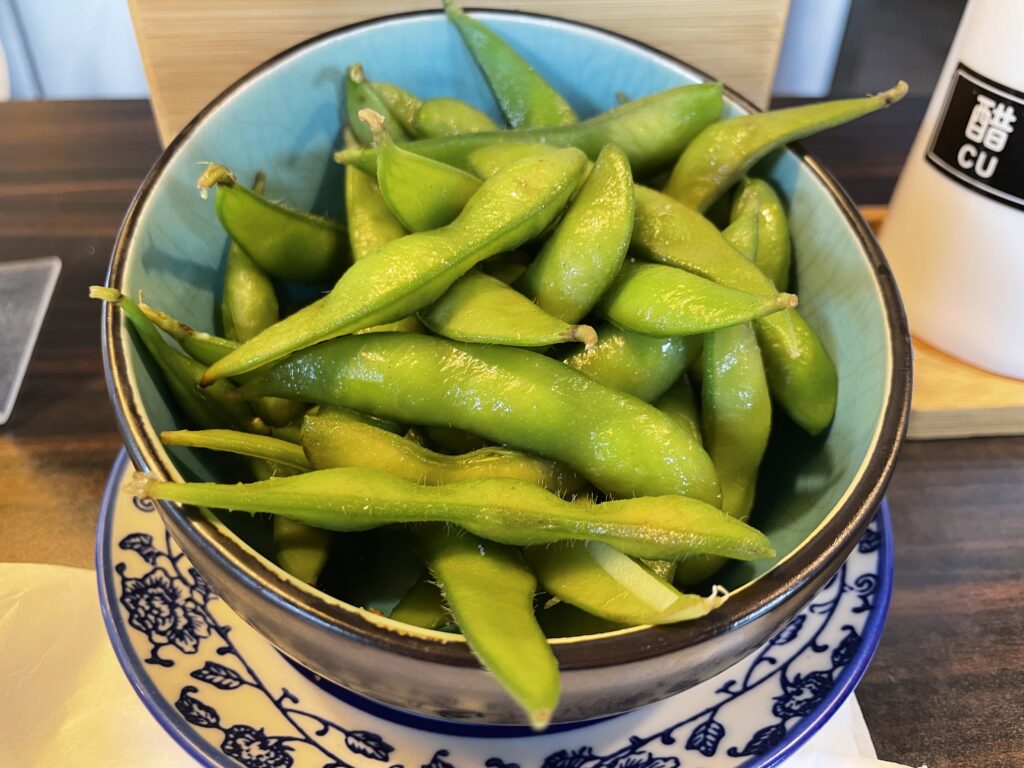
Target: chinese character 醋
[{"x": 990, "y": 125}]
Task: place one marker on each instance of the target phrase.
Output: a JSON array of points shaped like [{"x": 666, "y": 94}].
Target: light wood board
[
  {"x": 952, "y": 398},
  {"x": 193, "y": 49}
]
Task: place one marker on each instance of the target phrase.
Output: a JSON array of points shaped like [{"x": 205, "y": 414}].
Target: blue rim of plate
[{"x": 200, "y": 749}]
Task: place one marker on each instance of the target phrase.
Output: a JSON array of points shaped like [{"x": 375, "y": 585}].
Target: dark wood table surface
[{"x": 946, "y": 687}]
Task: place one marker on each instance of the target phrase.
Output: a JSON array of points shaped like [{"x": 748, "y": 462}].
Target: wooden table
[{"x": 947, "y": 684}]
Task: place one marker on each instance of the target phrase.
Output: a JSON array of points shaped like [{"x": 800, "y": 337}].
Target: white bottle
[{"x": 954, "y": 233}]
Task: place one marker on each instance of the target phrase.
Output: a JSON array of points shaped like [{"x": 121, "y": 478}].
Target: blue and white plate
[{"x": 229, "y": 698}]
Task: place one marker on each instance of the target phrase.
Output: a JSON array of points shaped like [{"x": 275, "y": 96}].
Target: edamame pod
[
  {"x": 422, "y": 193},
  {"x": 482, "y": 309},
  {"x": 736, "y": 410},
  {"x": 584, "y": 254},
  {"x": 505, "y": 511},
  {"x": 402, "y": 104},
  {"x": 325, "y": 418},
  {"x": 338, "y": 444},
  {"x": 608, "y": 584},
  {"x": 665, "y": 301},
  {"x": 774, "y": 252},
  {"x": 450, "y": 117},
  {"x": 488, "y": 160},
  {"x": 652, "y": 131},
  {"x": 301, "y": 549},
  {"x": 490, "y": 590},
  {"x": 263, "y": 447},
  {"x": 371, "y": 223},
  {"x": 422, "y": 606},
  {"x": 210, "y": 409},
  {"x": 360, "y": 94},
  {"x": 288, "y": 244},
  {"x": 724, "y": 151},
  {"x": 679, "y": 403},
  {"x": 801, "y": 375},
  {"x": 525, "y": 97},
  {"x": 407, "y": 274},
  {"x": 510, "y": 396},
  {"x": 634, "y": 363}
]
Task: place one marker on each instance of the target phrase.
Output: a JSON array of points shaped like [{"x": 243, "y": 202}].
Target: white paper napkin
[{"x": 66, "y": 700}]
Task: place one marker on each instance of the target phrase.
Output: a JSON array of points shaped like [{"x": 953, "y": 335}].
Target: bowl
[{"x": 816, "y": 496}]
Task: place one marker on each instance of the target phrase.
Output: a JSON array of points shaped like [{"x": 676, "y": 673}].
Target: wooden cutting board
[
  {"x": 194, "y": 49},
  {"x": 954, "y": 399}
]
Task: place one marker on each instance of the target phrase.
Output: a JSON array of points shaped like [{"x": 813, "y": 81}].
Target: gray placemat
[{"x": 25, "y": 290}]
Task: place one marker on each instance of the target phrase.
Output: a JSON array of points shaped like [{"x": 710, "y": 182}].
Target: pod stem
[
  {"x": 375, "y": 122},
  {"x": 894, "y": 94},
  {"x": 582, "y": 333},
  {"x": 787, "y": 300},
  {"x": 215, "y": 174}
]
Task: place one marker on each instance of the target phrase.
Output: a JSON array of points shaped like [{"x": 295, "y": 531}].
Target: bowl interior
[{"x": 287, "y": 121}]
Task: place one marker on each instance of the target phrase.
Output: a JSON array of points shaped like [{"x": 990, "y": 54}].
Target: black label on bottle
[{"x": 978, "y": 141}]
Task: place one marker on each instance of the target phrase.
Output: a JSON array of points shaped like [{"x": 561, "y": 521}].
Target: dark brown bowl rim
[{"x": 831, "y": 542}]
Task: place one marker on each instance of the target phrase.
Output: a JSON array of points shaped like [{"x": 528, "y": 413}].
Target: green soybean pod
[
  {"x": 288, "y": 244},
  {"x": 263, "y": 447},
  {"x": 801, "y": 375},
  {"x": 339, "y": 444},
  {"x": 422, "y": 193},
  {"x": 634, "y": 363},
  {"x": 480, "y": 308},
  {"x": 301, "y": 549},
  {"x": 400, "y": 103},
  {"x": 407, "y": 274},
  {"x": 370, "y": 222},
  {"x": 324, "y": 417},
  {"x": 525, "y": 98},
  {"x": 422, "y": 606},
  {"x": 490, "y": 590},
  {"x": 652, "y": 131},
  {"x": 666, "y": 301},
  {"x": 736, "y": 411},
  {"x": 248, "y": 301},
  {"x": 607, "y": 584},
  {"x": 510, "y": 396},
  {"x": 206, "y": 348},
  {"x": 450, "y": 117},
  {"x": 488, "y": 160},
  {"x": 360, "y": 94},
  {"x": 580, "y": 260},
  {"x": 724, "y": 151},
  {"x": 679, "y": 403},
  {"x": 499, "y": 509},
  {"x": 774, "y": 251},
  {"x": 206, "y": 409}
]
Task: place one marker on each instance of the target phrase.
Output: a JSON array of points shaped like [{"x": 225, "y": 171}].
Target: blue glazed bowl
[{"x": 815, "y": 496}]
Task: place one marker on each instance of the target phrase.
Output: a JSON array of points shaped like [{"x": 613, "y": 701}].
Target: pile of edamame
[{"x": 535, "y": 382}]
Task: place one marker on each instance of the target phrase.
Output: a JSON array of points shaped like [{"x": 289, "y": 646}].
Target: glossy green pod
[
  {"x": 635, "y": 363},
  {"x": 263, "y": 447},
  {"x": 665, "y": 301},
  {"x": 774, "y": 250},
  {"x": 580, "y": 260},
  {"x": 652, "y": 131},
  {"x": 724, "y": 151},
  {"x": 525, "y": 98},
  {"x": 606, "y": 583},
  {"x": 679, "y": 403},
  {"x": 206, "y": 409},
  {"x": 370, "y": 222},
  {"x": 412, "y": 272},
  {"x": 501, "y": 510},
  {"x": 288, "y": 244},
  {"x": 736, "y": 413},
  {"x": 801, "y": 375},
  {"x": 301, "y": 549},
  {"x": 482, "y": 309},
  {"x": 361, "y": 94},
  {"x": 450, "y": 117},
  {"x": 422, "y": 193},
  {"x": 400, "y": 103},
  {"x": 338, "y": 444},
  {"x": 490, "y": 590},
  {"x": 510, "y": 396},
  {"x": 422, "y": 606},
  {"x": 488, "y": 160}
]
